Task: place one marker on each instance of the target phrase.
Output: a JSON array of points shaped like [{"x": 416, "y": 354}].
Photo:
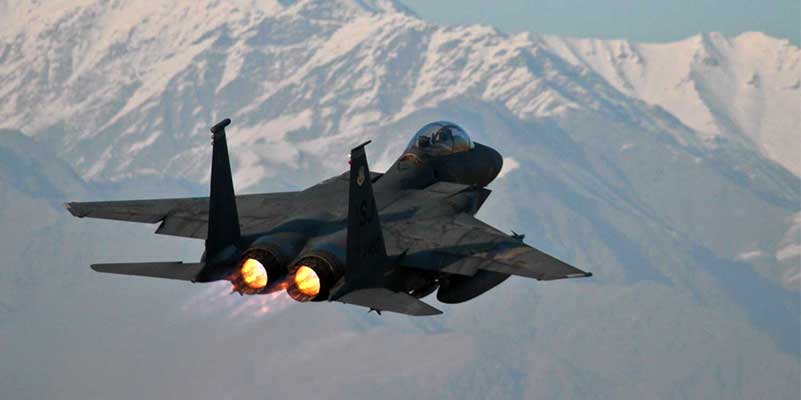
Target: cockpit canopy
[{"x": 439, "y": 139}]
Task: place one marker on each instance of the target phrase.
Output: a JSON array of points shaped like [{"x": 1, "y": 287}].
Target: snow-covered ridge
[
  {"x": 745, "y": 87},
  {"x": 94, "y": 69}
]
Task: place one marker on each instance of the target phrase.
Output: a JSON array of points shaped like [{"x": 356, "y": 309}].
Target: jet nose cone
[
  {"x": 497, "y": 161},
  {"x": 491, "y": 162}
]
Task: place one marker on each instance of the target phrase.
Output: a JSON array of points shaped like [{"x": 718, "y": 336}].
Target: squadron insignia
[{"x": 360, "y": 176}]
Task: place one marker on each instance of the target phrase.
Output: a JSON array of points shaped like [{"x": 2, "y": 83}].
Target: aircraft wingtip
[
  {"x": 220, "y": 125},
  {"x": 361, "y": 146},
  {"x": 71, "y": 209}
]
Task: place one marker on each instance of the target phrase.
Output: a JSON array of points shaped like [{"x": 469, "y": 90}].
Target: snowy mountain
[
  {"x": 670, "y": 178},
  {"x": 744, "y": 88},
  {"x": 136, "y": 86}
]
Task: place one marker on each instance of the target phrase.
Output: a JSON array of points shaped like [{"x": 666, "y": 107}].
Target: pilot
[{"x": 443, "y": 135}]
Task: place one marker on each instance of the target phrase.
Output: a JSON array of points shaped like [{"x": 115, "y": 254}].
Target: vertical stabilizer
[
  {"x": 366, "y": 255},
  {"x": 223, "y": 216}
]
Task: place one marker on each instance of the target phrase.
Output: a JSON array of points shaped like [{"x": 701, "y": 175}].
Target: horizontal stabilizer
[
  {"x": 168, "y": 269},
  {"x": 382, "y": 299}
]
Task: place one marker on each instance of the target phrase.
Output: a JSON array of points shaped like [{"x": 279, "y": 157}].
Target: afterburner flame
[
  {"x": 254, "y": 274},
  {"x": 307, "y": 281}
]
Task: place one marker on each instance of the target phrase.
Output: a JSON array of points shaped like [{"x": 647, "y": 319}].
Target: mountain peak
[
  {"x": 757, "y": 37},
  {"x": 373, "y": 6}
]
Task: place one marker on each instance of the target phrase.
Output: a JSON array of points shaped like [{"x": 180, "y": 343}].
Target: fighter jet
[{"x": 377, "y": 240}]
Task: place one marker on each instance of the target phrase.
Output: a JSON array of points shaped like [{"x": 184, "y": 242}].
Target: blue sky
[{"x": 644, "y": 20}]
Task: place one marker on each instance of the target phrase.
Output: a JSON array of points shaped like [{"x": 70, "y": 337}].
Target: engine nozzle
[
  {"x": 312, "y": 277},
  {"x": 253, "y": 273},
  {"x": 255, "y": 270}
]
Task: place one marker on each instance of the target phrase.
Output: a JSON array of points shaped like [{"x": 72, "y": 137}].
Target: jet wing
[
  {"x": 188, "y": 217},
  {"x": 464, "y": 245}
]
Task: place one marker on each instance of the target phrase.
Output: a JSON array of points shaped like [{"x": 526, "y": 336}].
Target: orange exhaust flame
[
  {"x": 307, "y": 281},
  {"x": 254, "y": 274}
]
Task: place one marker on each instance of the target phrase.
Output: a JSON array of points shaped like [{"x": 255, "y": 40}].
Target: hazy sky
[{"x": 641, "y": 20}]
